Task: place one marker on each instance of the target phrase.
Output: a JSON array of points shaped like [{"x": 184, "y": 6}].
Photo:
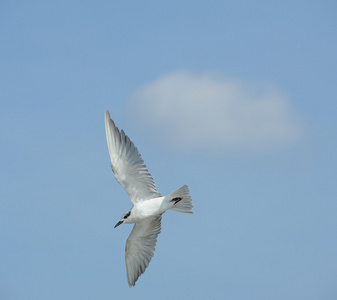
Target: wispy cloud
[{"x": 189, "y": 111}]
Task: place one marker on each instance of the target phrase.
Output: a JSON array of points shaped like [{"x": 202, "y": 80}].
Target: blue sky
[{"x": 234, "y": 98}]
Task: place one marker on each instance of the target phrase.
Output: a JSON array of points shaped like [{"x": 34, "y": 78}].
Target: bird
[{"x": 148, "y": 205}]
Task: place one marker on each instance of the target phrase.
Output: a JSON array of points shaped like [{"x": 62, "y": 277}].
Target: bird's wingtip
[{"x": 107, "y": 114}]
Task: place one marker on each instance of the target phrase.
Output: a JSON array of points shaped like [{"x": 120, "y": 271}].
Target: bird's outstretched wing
[
  {"x": 127, "y": 164},
  {"x": 140, "y": 247}
]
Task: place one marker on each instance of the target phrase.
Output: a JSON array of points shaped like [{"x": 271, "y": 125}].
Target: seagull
[{"x": 148, "y": 204}]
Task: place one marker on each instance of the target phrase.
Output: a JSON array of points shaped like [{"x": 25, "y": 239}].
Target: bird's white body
[
  {"x": 150, "y": 208},
  {"x": 148, "y": 204}
]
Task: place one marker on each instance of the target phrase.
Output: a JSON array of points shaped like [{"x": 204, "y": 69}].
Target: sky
[{"x": 236, "y": 99}]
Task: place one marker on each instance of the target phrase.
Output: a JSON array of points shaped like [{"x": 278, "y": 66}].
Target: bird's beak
[{"x": 119, "y": 223}]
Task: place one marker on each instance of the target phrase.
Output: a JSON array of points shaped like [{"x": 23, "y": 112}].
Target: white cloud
[{"x": 187, "y": 111}]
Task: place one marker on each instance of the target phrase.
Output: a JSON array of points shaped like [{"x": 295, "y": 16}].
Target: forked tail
[{"x": 181, "y": 200}]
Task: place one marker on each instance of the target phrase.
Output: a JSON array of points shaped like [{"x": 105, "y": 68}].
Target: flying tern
[{"x": 148, "y": 204}]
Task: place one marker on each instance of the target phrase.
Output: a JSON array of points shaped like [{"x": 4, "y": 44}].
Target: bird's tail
[{"x": 181, "y": 200}]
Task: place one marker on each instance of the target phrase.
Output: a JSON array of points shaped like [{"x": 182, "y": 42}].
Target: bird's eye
[{"x": 127, "y": 214}]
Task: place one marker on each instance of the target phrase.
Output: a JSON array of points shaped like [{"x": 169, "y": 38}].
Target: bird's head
[{"x": 124, "y": 218}]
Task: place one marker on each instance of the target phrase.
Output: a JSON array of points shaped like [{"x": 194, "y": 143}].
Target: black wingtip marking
[{"x": 176, "y": 200}]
